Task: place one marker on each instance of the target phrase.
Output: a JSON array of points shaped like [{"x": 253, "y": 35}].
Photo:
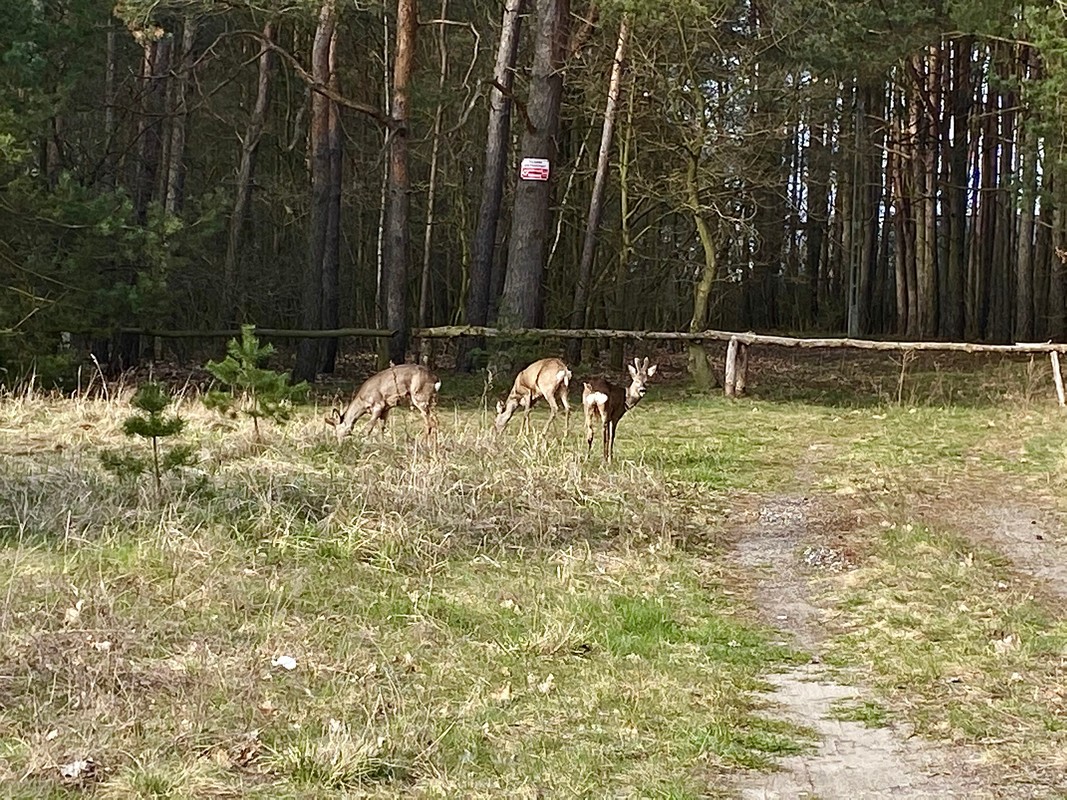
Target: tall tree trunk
[
  {"x": 155, "y": 63},
  {"x": 523, "y": 298},
  {"x": 398, "y": 201},
  {"x": 852, "y": 204},
  {"x": 1002, "y": 286},
  {"x": 483, "y": 246},
  {"x": 924, "y": 161},
  {"x": 596, "y": 202},
  {"x": 955, "y": 192},
  {"x": 109, "y": 166},
  {"x": 1043, "y": 252},
  {"x": 308, "y": 350},
  {"x": 175, "y": 192},
  {"x": 431, "y": 189},
  {"x": 331, "y": 256},
  {"x": 818, "y": 214},
  {"x": 1057, "y": 313},
  {"x": 698, "y": 360},
  {"x": 618, "y": 310},
  {"x": 896, "y": 168},
  {"x": 1024, "y": 257},
  {"x": 233, "y": 293},
  {"x": 980, "y": 251}
]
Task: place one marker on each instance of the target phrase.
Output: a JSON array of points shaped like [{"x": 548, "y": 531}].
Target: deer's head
[
  {"x": 640, "y": 372},
  {"x": 336, "y": 420}
]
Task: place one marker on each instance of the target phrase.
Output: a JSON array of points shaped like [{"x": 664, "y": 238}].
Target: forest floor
[{"x": 850, "y": 584}]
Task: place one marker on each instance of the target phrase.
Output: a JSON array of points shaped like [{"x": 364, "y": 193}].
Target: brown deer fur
[
  {"x": 607, "y": 402},
  {"x": 382, "y": 392},
  {"x": 548, "y": 378}
]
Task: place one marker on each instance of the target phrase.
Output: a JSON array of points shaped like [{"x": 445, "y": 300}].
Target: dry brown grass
[{"x": 477, "y": 616}]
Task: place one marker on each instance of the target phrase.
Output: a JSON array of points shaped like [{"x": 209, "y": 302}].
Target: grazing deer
[
  {"x": 380, "y": 393},
  {"x": 603, "y": 399},
  {"x": 548, "y": 378}
]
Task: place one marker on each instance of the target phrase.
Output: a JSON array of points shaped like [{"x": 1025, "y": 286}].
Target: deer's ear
[
  {"x": 499, "y": 406},
  {"x": 652, "y": 370},
  {"x": 633, "y": 372},
  {"x": 333, "y": 417}
]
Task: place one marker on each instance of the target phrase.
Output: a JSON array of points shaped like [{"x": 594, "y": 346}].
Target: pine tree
[{"x": 253, "y": 391}]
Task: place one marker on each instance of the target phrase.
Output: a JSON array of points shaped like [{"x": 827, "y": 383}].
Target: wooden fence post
[
  {"x": 729, "y": 379},
  {"x": 741, "y": 380},
  {"x": 1057, "y": 377}
]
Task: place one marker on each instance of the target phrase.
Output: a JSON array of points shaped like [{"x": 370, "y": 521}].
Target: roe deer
[
  {"x": 603, "y": 399},
  {"x": 548, "y": 378},
  {"x": 382, "y": 392}
]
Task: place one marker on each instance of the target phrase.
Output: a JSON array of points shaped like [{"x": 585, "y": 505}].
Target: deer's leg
[
  {"x": 375, "y": 414},
  {"x": 426, "y": 408},
  {"x": 589, "y": 412},
  {"x": 566, "y": 411},
  {"x": 527, "y": 401},
  {"x": 554, "y": 406}
]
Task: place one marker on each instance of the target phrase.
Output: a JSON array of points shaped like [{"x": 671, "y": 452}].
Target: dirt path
[
  {"x": 1027, "y": 535},
  {"x": 851, "y": 760}
]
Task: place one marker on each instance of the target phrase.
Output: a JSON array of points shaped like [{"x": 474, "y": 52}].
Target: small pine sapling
[
  {"x": 254, "y": 391},
  {"x": 151, "y": 399}
]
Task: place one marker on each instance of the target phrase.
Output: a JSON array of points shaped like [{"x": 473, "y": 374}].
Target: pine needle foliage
[
  {"x": 254, "y": 391},
  {"x": 151, "y": 399}
]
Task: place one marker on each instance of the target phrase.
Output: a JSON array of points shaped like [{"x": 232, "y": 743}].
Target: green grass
[
  {"x": 497, "y": 615},
  {"x": 493, "y": 617},
  {"x": 943, "y": 626},
  {"x": 868, "y": 712}
]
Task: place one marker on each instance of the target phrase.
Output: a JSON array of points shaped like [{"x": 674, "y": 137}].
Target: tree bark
[
  {"x": 308, "y": 350},
  {"x": 698, "y": 360},
  {"x": 331, "y": 257},
  {"x": 108, "y": 167},
  {"x": 175, "y": 194},
  {"x": 398, "y": 200},
  {"x": 233, "y": 294},
  {"x": 618, "y": 311},
  {"x": 596, "y": 202},
  {"x": 1024, "y": 255},
  {"x": 431, "y": 189},
  {"x": 523, "y": 298},
  {"x": 955, "y": 192},
  {"x": 483, "y": 247}
]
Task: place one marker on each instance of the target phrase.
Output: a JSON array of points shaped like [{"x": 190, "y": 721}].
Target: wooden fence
[{"x": 736, "y": 353}]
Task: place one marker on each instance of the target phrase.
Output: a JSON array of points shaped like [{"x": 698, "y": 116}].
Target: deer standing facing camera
[
  {"x": 604, "y": 400},
  {"x": 548, "y": 378},
  {"x": 380, "y": 393}
]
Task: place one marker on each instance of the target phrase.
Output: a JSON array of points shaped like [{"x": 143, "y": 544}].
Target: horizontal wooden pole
[
  {"x": 448, "y": 332},
  {"x": 332, "y": 333},
  {"x": 455, "y": 331}
]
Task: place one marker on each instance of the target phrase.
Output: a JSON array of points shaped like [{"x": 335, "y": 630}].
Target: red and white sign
[{"x": 534, "y": 169}]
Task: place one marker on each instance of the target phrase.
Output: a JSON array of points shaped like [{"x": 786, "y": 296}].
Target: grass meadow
[{"x": 501, "y": 616}]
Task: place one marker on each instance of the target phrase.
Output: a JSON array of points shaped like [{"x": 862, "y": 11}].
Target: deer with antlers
[
  {"x": 548, "y": 378},
  {"x": 380, "y": 393},
  {"x": 607, "y": 402}
]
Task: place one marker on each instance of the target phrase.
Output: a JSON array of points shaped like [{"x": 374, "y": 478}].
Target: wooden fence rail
[
  {"x": 748, "y": 338},
  {"x": 735, "y": 340}
]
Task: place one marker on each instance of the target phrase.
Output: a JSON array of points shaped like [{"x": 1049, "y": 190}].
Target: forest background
[{"x": 876, "y": 169}]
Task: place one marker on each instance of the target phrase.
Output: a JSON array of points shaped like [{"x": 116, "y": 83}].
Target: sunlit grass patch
[{"x": 947, "y": 632}]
